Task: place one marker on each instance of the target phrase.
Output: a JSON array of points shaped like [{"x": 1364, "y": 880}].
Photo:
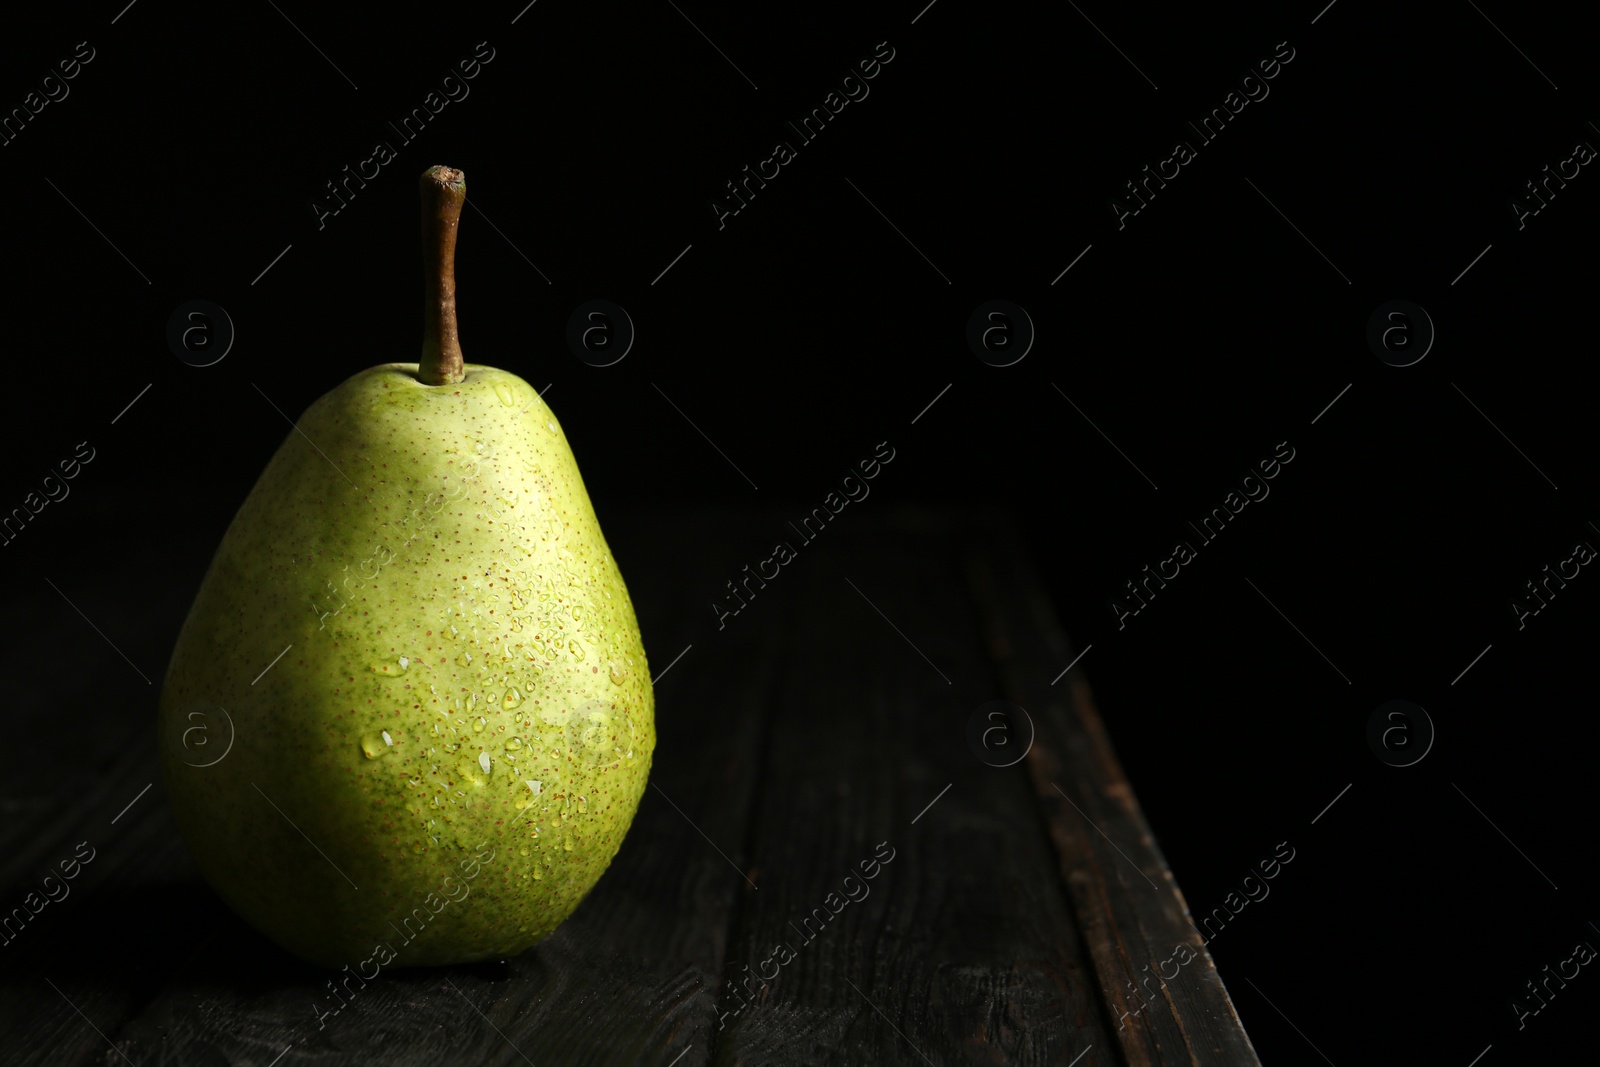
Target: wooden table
[{"x": 1022, "y": 918}]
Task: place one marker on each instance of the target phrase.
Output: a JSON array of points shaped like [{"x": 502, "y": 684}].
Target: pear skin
[{"x": 464, "y": 686}]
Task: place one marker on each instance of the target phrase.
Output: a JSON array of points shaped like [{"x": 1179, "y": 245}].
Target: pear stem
[{"x": 444, "y": 190}]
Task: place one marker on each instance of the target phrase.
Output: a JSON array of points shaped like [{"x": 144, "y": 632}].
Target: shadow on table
[{"x": 141, "y": 937}]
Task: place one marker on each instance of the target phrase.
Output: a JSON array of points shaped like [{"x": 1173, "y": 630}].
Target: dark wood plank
[
  {"x": 964, "y": 948},
  {"x": 1005, "y": 929},
  {"x": 1126, "y": 899},
  {"x": 81, "y": 724},
  {"x": 103, "y": 946}
]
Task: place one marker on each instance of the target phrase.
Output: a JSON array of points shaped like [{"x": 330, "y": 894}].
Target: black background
[{"x": 808, "y": 329}]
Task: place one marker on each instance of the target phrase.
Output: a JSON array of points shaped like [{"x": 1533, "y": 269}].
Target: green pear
[{"x": 409, "y": 719}]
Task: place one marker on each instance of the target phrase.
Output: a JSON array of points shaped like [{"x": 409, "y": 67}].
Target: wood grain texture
[
  {"x": 963, "y": 949},
  {"x": 1164, "y": 1010},
  {"x": 799, "y": 740}
]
